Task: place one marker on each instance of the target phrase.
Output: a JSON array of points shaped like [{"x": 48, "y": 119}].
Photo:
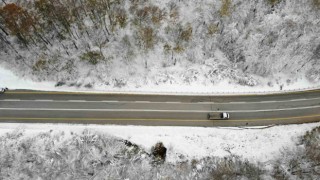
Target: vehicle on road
[
  {"x": 218, "y": 115},
  {"x": 2, "y": 90}
]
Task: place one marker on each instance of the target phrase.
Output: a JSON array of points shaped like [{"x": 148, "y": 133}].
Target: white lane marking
[
  {"x": 66, "y": 101},
  {"x": 11, "y": 100},
  {"x": 77, "y": 101},
  {"x": 155, "y": 110},
  {"x": 105, "y": 101},
  {"x": 268, "y": 101},
  {"x": 176, "y": 102},
  {"x": 203, "y": 103},
  {"x": 299, "y": 99}
]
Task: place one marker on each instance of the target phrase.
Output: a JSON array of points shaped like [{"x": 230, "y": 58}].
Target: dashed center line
[
  {"x": 108, "y": 101},
  {"x": 237, "y": 102},
  {"x": 77, "y": 100},
  {"x": 11, "y": 100},
  {"x": 154, "y": 102},
  {"x": 158, "y": 110},
  {"x": 205, "y": 102},
  {"x": 298, "y": 100},
  {"x": 267, "y": 102}
]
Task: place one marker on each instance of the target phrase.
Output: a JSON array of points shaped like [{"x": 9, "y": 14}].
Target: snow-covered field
[{"x": 259, "y": 144}]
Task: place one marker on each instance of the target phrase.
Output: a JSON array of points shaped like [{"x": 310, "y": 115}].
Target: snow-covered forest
[
  {"x": 92, "y": 154},
  {"x": 119, "y": 43}
]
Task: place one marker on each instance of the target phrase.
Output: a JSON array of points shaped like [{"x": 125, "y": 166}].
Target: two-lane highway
[{"x": 176, "y": 110}]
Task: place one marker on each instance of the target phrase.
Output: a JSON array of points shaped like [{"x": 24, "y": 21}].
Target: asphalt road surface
[{"x": 158, "y": 110}]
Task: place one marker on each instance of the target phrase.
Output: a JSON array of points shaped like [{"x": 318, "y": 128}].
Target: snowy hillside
[{"x": 137, "y": 43}]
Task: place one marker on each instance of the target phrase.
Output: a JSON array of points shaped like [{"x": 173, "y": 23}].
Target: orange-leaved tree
[{"x": 17, "y": 20}]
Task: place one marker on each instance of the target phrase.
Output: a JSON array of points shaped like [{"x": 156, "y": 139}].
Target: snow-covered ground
[
  {"x": 12, "y": 81},
  {"x": 260, "y": 144}
]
